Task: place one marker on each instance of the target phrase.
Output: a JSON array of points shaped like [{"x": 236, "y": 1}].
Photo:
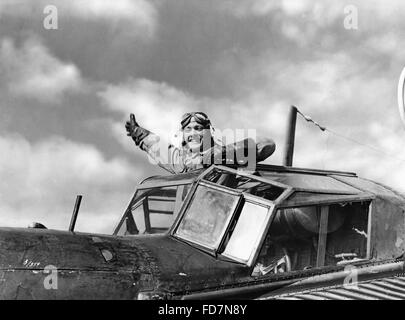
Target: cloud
[
  {"x": 142, "y": 11},
  {"x": 375, "y": 157},
  {"x": 349, "y": 91},
  {"x": 140, "y": 14},
  {"x": 264, "y": 7},
  {"x": 39, "y": 182},
  {"x": 345, "y": 95},
  {"x": 315, "y": 12},
  {"x": 308, "y": 22},
  {"x": 346, "y": 80},
  {"x": 32, "y": 71},
  {"x": 157, "y": 106}
]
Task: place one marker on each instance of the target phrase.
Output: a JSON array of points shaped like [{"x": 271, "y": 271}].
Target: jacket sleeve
[
  {"x": 246, "y": 152},
  {"x": 265, "y": 147}
]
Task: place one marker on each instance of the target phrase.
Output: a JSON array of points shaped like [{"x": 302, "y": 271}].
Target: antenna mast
[{"x": 289, "y": 146}]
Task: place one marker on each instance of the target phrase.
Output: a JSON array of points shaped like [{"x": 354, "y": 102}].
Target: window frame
[
  {"x": 247, "y": 198},
  {"x": 210, "y": 249},
  {"x": 243, "y": 197},
  {"x": 321, "y": 253},
  {"x": 243, "y": 173},
  {"x": 151, "y": 185}
]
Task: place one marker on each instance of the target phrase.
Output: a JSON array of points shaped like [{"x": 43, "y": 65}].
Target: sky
[{"x": 65, "y": 93}]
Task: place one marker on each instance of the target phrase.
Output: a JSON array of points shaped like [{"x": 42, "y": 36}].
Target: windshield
[{"x": 208, "y": 215}]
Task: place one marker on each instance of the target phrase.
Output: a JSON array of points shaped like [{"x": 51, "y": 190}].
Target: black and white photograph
[{"x": 202, "y": 150}]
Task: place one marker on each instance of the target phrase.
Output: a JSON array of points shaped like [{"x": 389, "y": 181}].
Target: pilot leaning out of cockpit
[{"x": 197, "y": 148}]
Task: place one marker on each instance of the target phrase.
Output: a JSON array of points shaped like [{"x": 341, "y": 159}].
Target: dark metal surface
[
  {"x": 134, "y": 264},
  {"x": 289, "y": 146}
]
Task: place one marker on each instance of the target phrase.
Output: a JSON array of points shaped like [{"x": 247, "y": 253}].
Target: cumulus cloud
[
  {"x": 157, "y": 106},
  {"x": 328, "y": 97},
  {"x": 344, "y": 94},
  {"x": 32, "y": 71},
  {"x": 345, "y": 80},
  {"x": 138, "y": 13},
  {"x": 263, "y": 7},
  {"x": 142, "y": 11},
  {"x": 351, "y": 91},
  {"x": 39, "y": 182},
  {"x": 308, "y": 21},
  {"x": 378, "y": 157}
]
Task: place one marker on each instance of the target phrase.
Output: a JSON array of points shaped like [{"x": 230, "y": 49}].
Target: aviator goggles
[{"x": 200, "y": 117}]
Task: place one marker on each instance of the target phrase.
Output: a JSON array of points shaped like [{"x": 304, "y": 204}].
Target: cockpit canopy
[{"x": 275, "y": 218}]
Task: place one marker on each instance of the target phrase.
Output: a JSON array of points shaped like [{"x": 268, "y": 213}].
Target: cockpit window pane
[
  {"x": 207, "y": 216},
  {"x": 243, "y": 239}
]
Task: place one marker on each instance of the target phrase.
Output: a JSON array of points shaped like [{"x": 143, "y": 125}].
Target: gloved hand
[
  {"x": 131, "y": 125},
  {"x": 135, "y": 131}
]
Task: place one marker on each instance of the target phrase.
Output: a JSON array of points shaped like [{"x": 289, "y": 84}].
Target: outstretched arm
[{"x": 164, "y": 154}]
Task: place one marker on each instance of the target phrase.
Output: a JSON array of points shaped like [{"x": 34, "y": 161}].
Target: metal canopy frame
[{"x": 149, "y": 185}]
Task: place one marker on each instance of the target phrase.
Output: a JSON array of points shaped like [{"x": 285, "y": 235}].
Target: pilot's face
[{"x": 194, "y": 135}]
